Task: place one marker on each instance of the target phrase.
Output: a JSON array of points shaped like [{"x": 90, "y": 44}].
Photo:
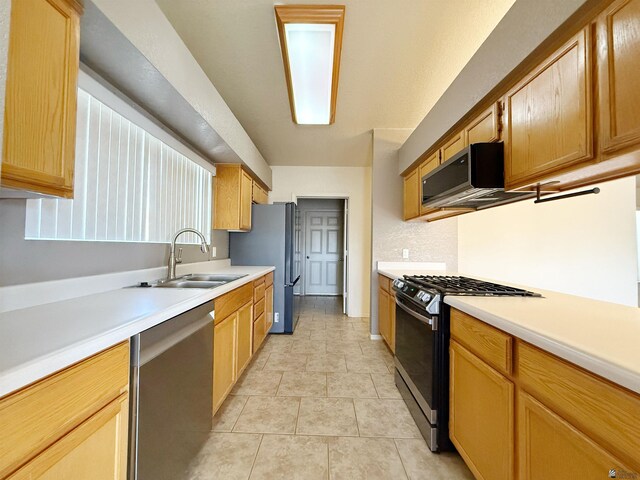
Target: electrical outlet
[
  {"x": 405, "y": 253},
  {"x": 276, "y": 317},
  {"x": 213, "y": 252}
]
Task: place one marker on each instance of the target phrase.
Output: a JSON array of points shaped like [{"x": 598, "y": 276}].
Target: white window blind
[{"x": 129, "y": 186}]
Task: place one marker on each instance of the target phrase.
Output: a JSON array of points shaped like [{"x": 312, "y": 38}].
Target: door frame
[
  {"x": 303, "y": 266},
  {"x": 345, "y": 253}
]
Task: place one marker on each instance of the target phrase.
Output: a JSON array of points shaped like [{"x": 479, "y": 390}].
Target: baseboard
[{"x": 376, "y": 337}]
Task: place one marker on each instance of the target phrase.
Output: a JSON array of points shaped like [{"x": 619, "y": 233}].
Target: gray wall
[
  {"x": 427, "y": 242},
  {"x": 26, "y": 261}
]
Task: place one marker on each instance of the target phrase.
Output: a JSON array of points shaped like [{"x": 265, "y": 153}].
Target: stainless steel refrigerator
[{"x": 271, "y": 242}]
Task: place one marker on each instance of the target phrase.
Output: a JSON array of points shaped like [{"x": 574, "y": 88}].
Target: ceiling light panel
[
  {"x": 311, "y": 43},
  {"x": 310, "y": 48}
]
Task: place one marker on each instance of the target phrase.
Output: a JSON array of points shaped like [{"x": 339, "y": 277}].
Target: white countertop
[
  {"x": 599, "y": 336},
  {"x": 40, "y": 340}
]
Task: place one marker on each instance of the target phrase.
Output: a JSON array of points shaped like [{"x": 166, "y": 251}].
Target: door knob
[{"x": 307, "y": 257}]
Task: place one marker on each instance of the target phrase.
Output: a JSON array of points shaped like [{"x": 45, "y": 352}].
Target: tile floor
[{"x": 320, "y": 404}]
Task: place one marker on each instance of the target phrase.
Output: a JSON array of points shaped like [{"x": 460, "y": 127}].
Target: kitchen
[{"x": 170, "y": 115}]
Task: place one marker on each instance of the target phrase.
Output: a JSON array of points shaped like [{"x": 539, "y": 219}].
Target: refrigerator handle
[{"x": 294, "y": 282}]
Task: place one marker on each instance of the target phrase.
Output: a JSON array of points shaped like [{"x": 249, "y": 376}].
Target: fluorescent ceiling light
[{"x": 311, "y": 42}]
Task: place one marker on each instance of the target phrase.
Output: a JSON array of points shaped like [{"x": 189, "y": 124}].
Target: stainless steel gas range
[{"x": 422, "y": 346}]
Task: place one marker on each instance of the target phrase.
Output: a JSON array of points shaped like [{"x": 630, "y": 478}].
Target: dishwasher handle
[{"x": 156, "y": 340}]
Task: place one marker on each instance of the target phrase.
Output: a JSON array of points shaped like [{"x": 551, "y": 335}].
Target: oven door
[{"x": 416, "y": 349}]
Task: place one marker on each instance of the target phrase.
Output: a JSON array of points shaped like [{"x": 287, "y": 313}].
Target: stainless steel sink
[
  {"x": 188, "y": 283},
  {"x": 212, "y": 277}
]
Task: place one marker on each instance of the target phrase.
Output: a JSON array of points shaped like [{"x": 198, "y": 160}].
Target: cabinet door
[
  {"x": 412, "y": 195},
  {"x": 259, "y": 332},
  {"x": 383, "y": 314},
  {"x": 452, "y": 146},
  {"x": 549, "y": 447},
  {"x": 619, "y": 82},
  {"x": 245, "y": 338},
  {"x": 268, "y": 317},
  {"x": 224, "y": 357},
  {"x": 41, "y": 88},
  {"x": 96, "y": 449},
  {"x": 548, "y": 116},
  {"x": 246, "y": 188},
  {"x": 484, "y": 128},
  {"x": 427, "y": 166},
  {"x": 481, "y": 415},
  {"x": 392, "y": 321}
]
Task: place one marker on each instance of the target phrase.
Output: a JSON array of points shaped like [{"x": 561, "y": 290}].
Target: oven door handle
[{"x": 431, "y": 321}]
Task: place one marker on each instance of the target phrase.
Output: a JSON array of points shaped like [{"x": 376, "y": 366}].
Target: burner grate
[{"x": 454, "y": 285}]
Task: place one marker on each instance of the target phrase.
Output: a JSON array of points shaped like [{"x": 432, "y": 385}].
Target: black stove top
[{"x": 453, "y": 285}]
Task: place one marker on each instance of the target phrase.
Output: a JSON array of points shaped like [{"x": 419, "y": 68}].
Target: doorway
[{"x": 321, "y": 244}]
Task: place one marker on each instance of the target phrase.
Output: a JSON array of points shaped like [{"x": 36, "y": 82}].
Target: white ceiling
[{"x": 398, "y": 57}]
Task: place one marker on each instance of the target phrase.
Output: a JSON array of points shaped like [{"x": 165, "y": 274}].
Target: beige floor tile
[
  {"x": 327, "y": 416},
  {"x": 286, "y": 362},
  {"x": 318, "y": 335},
  {"x": 385, "y": 385},
  {"x": 225, "y": 455},
  {"x": 326, "y": 362},
  {"x": 289, "y": 457},
  {"x": 258, "y": 383},
  {"x": 308, "y": 346},
  {"x": 422, "y": 464},
  {"x": 365, "y": 459},
  {"x": 344, "y": 347},
  {"x": 303, "y": 334},
  {"x": 303, "y": 384},
  {"x": 392, "y": 368},
  {"x": 365, "y": 364},
  {"x": 350, "y": 385},
  {"x": 226, "y": 416},
  {"x": 268, "y": 415},
  {"x": 385, "y": 418},
  {"x": 277, "y": 343}
]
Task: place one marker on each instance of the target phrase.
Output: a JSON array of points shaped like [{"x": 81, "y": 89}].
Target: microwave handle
[{"x": 431, "y": 321}]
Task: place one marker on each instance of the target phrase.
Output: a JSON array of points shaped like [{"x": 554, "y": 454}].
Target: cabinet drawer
[
  {"x": 258, "y": 292},
  {"x": 230, "y": 302},
  {"x": 258, "y": 308},
  {"x": 35, "y": 417},
  {"x": 607, "y": 413},
  {"x": 259, "y": 281},
  {"x": 268, "y": 279},
  {"x": 490, "y": 344},
  {"x": 384, "y": 282}
]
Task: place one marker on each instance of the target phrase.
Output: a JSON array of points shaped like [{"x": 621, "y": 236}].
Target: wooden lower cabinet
[
  {"x": 544, "y": 417},
  {"x": 549, "y": 447},
  {"x": 384, "y": 323},
  {"x": 70, "y": 425},
  {"x": 268, "y": 309},
  {"x": 245, "y": 338},
  {"x": 481, "y": 415},
  {"x": 224, "y": 359}
]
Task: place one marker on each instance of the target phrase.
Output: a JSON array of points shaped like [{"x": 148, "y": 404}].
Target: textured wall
[
  {"x": 583, "y": 246},
  {"x": 427, "y": 242}
]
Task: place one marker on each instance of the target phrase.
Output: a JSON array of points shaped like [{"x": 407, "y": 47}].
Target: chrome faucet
[{"x": 173, "y": 260}]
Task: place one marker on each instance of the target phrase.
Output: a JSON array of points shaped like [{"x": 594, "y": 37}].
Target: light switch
[{"x": 405, "y": 253}]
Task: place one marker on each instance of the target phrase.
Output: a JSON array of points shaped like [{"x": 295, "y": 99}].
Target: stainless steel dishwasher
[{"x": 171, "y": 395}]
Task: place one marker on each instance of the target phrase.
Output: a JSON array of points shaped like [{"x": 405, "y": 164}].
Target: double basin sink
[{"x": 197, "y": 280}]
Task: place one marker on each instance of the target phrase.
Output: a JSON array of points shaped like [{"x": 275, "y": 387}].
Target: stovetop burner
[{"x": 454, "y": 285}]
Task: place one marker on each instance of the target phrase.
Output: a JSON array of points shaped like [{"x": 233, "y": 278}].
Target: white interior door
[
  {"x": 345, "y": 264},
  {"x": 324, "y": 250}
]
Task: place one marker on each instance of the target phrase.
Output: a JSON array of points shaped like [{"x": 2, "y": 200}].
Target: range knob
[
  {"x": 398, "y": 283},
  {"x": 423, "y": 296}
]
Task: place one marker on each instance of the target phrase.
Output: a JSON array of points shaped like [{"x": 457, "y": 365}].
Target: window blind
[{"x": 129, "y": 186}]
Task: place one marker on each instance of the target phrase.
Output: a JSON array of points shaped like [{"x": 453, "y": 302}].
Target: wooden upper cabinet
[
  {"x": 232, "y": 198},
  {"x": 452, "y": 146},
  {"x": 619, "y": 79},
  {"x": 246, "y": 188},
  {"x": 41, "y": 91},
  {"x": 259, "y": 194},
  {"x": 549, "y": 116},
  {"x": 412, "y": 195},
  {"x": 485, "y": 127}
]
